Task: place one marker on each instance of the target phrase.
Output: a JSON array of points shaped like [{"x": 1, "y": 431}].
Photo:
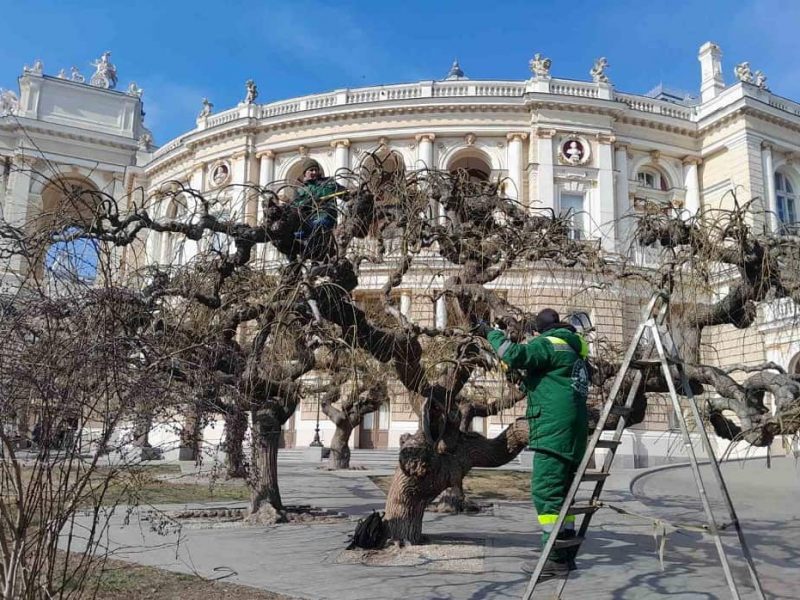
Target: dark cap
[
  {"x": 546, "y": 319},
  {"x": 310, "y": 163}
]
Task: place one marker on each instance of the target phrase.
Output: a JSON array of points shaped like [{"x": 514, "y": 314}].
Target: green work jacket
[
  {"x": 311, "y": 199},
  {"x": 556, "y": 381}
]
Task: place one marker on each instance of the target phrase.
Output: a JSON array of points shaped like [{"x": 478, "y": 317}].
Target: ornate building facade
[{"x": 564, "y": 145}]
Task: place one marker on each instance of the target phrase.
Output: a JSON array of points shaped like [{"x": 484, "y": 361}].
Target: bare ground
[{"x": 484, "y": 485}]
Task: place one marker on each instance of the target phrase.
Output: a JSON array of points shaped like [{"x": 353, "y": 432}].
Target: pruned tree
[
  {"x": 354, "y": 386},
  {"x": 404, "y": 222}
]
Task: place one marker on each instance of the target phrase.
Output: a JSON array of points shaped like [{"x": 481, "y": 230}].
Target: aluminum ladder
[{"x": 650, "y": 330}]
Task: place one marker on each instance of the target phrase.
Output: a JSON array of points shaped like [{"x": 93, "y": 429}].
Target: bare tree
[
  {"x": 400, "y": 222},
  {"x": 77, "y": 361}
]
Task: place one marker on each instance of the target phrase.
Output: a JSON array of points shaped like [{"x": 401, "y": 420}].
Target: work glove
[{"x": 481, "y": 328}]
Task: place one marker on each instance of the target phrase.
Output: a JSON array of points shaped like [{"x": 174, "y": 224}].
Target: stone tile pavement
[{"x": 618, "y": 561}]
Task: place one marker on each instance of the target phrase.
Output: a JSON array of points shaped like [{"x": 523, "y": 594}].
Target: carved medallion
[
  {"x": 574, "y": 150},
  {"x": 220, "y": 174}
]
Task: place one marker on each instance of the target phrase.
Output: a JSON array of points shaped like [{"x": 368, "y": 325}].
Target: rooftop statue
[
  {"x": 743, "y": 73},
  {"x": 134, "y": 90},
  {"x": 252, "y": 92},
  {"x": 761, "y": 80},
  {"x": 105, "y": 74},
  {"x": 75, "y": 75},
  {"x": 598, "y": 71},
  {"x": 36, "y": 69},
  {"x": 206, "y": 110},
  {"x": 540, "y": 66},
  {"x": 9, "y": 103}
]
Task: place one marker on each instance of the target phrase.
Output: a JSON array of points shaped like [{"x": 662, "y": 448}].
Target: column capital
[
  {"x": 544, "y": 133},
  {"x": 516, "y": 135},
  {"x": 238, "y": 155},
  {"x": 266, "y": 154},
  {"x": 345, "y": 143},
  {"x": 691, "y": 160},
  {"x": 425, "y": 137},
  {"x": 765, "y": 145},
  {"x": 605, "y": 138},
  {"x": 621, "y": 146}
]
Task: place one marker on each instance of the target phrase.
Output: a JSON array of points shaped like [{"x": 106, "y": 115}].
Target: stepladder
[{"x": 650, "y": 349}]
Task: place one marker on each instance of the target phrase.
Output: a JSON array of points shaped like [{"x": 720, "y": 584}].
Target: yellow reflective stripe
[
  {"x": 555, "y": 340},
  {"x": 551, "y": 519}
]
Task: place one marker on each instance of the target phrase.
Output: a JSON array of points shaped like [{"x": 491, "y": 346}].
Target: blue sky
[{"x": 181, "y": 51}]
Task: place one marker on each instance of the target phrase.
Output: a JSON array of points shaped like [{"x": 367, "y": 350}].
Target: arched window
[
  {"x": 476, "y": 168},
  {"x": 381, "y": 165},
  {"x": 794, "y": 365},
  {"x": 652, "y": 179},
  {"x": 785, "y": 203},
  {"x": 653, "y": 192},
  {"x": 68, "y": 204},
  {"x": 71, "y": 262},
  {"x": 172, "y": 243}
]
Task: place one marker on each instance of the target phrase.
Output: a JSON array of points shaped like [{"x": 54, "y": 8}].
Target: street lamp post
[{"x": 316, "y": 442}]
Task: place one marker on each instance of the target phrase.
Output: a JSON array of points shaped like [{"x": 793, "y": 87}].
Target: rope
[{"x": 661, "y": 527}]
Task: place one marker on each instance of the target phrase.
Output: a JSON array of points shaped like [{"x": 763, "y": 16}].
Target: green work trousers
[{"x": 550, "y": 481}]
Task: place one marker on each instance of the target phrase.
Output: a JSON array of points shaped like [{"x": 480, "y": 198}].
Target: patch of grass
[
  {"x": 150, "y": 490},
  {"x": 119, "y": 580},
  {"x": 484, "y": 485}
]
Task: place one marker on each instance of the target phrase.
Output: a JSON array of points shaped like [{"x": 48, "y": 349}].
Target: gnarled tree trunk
[
  {"x": 340, "y": 446},
  {"x": 235, "y": 430},
  {"x": 426, "y": 470},
  {"x": 264, "y": 472}
]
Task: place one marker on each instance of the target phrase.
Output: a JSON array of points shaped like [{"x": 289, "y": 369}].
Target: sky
[{"x": 180, "y": 52}]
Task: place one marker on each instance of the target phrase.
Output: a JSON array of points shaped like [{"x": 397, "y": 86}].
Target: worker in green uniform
[
  {"x": 316, "y": 205},
  {"x": 556, "y": 382}
]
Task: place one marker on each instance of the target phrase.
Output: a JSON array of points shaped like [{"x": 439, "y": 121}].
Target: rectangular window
[
  {"x": 787, "y": 213},
  {"x": 647, "y": 180},
  {"x": 572, "y": 207}
]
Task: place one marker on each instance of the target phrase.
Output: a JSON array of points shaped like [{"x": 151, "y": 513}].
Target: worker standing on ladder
[{"x": 556, "y": 382}]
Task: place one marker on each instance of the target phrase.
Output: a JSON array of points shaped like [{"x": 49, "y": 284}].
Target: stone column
[
  {"x": 514, "y": 190},
  {"x": 405, "y": 304},
  {"x": 341, "y": 158},
  {"x": 266, "y": 175},
  {"x": 191, "y": 248},
  {"x": 425, "y": 150},
  {"x": 692, "y": 185},
  {"x": 425, "y": 161},
  {"x": 622, "y": 204},
  {"x": 441, "y": 312},
  {"x": 769, "y": 186},
  {"x": 266, "y": 167},
  {"x": 603, "y": 213},
  {"x": 544, "y": 179},
  {"x": 16, "y": 204}
]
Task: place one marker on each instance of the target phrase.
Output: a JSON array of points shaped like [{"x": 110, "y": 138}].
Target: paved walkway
[{"x": 618, "y": 560}]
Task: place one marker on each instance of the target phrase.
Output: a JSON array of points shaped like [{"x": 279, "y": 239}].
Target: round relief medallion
[
  {"x": 574, "y": 151},
  {"x": 220, "y": 173}
]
